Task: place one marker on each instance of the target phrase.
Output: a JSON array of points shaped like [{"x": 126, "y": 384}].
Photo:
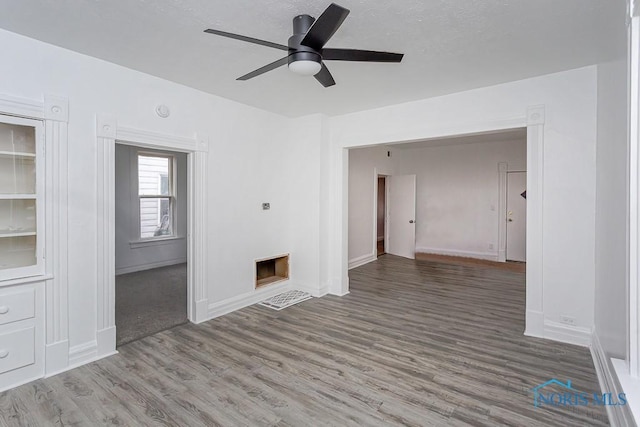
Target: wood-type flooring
[{"x": 414, "y": 343}]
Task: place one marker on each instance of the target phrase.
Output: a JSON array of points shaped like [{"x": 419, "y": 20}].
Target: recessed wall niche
[{"x": 272, "y": 270}]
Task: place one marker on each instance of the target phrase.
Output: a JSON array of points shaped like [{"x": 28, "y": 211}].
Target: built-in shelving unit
[{"x": 21, "y": 195}]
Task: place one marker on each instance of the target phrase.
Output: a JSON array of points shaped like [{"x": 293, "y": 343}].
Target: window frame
[{"x": 172, "y": 196}]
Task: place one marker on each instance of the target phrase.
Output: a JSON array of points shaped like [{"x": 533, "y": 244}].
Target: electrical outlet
[
  {"x": 567, "y": 320},
  {"x": 266, "y": 206}
]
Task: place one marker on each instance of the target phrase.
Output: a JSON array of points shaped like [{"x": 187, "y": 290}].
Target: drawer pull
[
  {"x": 4, "y": 309},
  {"x": 4, "y": 354}
]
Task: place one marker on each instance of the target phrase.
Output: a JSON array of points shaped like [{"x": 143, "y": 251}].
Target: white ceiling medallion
[{"x": 163, "y": 111}]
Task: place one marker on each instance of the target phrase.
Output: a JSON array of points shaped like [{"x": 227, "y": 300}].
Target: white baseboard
[
  {"x": 56, "y": 356},
  {"x": 534, "y": 324},
  {"x": 342, "y": 294},
  {"x": 631, "y": 388},
  {"x": 491, "y": 256},
  {"x": 324, "y": 290},
  {"x": 619, "y": 416},
  {"x": 568, "y": 334},
  {"x": 361, "y": 260},
  {"x": 313, "y": 290},
  {"x": 106, "y": 342},
  {"x": 202, "y": 311},
  {"x": 244, "y": 300},
  {"x": 81, "y": 354},
  {"x": 149, "y": 266},
  {"x": 338, "y": 285}
]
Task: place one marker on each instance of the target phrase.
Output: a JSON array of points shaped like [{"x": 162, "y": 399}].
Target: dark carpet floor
[{"x": 150, "y": 301}]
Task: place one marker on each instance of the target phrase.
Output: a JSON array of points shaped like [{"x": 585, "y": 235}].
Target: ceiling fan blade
[
  {"x": 325, "y": 77},
  {"x": 247, "y": 39},
  {"x": 325, "y": 26},
  {"x": 360, "y": 55},
  {"x": 262, "y": 70}
]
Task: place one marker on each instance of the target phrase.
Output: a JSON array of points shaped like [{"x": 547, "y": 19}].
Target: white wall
[
  {"x": 568, "y": 232},
  {"x": 364, "y": 167},
  {"x": 457, "y": 194},
  {"x": 253, "y": 158},
  {"x": 166, "y": 252},
  {"x": 612, "y": 189}
]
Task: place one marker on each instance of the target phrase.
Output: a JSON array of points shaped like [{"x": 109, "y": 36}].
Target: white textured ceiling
[{"x": 449, "y": 45}]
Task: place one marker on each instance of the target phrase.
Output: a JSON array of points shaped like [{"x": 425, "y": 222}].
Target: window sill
[{"x": 154, "y": 242}]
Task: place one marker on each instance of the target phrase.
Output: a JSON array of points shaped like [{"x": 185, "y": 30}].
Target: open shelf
[
  {"x": 6, "y": 196},
  {"x": 4, "y": 233},
  {"x": 17, "y": 154},
  {"x": 272, "y": 270}
]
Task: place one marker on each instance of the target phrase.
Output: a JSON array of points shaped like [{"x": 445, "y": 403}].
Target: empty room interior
[{"x": 307, "y": 213}]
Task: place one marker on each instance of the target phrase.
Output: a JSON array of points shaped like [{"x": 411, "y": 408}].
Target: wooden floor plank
[{"x": 416, "y": 342}]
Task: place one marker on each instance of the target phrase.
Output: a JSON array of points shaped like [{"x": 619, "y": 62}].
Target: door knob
[
  {"x": 411, "y": 221},
  {"x": 4, "y": 309},
  {"x": 3, "y": 354}
]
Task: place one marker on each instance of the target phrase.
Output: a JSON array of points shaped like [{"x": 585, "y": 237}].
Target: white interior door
[
  {"x": 516, "y": 216},
  {"x": 401, "y": 202}
]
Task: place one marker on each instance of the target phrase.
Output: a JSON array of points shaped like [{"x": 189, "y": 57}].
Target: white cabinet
[
  {"x": 21, "y": 334},
  {"x": 21, "y": 198},
  {"x": 22, "y": 244}
]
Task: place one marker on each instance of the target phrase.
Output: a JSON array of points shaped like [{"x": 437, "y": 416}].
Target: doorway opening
[
  {"x": 516, "y": 217},
  {"x": 381, "y": 215},
  {"x": 151, "y": 200}
]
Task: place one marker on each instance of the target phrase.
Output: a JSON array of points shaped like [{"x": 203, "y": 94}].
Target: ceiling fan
[{"x": 306, "y": 51}]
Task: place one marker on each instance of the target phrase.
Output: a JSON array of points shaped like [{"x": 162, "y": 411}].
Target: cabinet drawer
[
  {"x": 17, "y": 305},
  {"x": 17, "y": 349}
]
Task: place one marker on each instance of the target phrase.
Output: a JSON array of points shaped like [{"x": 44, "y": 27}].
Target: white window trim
[
  {"x": 173, "y": 196},
  {"x": 155, "y": 241}
]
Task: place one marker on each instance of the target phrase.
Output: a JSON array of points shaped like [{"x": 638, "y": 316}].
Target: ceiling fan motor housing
[{"x": 298, "y": 51}]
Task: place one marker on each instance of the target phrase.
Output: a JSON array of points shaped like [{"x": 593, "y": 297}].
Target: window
[{"x": 156, "y": 194}]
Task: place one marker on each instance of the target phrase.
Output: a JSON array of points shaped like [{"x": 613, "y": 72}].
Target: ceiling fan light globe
[{"x": 305, "y": 67}]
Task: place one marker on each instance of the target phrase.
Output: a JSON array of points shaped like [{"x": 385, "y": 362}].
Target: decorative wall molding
[
  {"x": 57, "y": 299},
  {"x": 56, "y": 108},
  {"x": 634, "y": 199},
  {"x": 535, "y": 224},
  {"x": 105, "y": 193},
  {"x": 157, "y": 140},
  {"x": 108, "y": 131},
  {"x": 535, "y": 115},
  {"x": 619, "y": 416},
  {"x": 22, "y": 107},
  {"x": 197, "y": 229}
]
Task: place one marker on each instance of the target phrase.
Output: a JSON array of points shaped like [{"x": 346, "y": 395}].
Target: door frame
[
  {"x": 533, "y": 120},
  {"x": 503, "y": 170},
  {"x": 377, "y": 175},
  {"x": 108, "y": 132}
]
